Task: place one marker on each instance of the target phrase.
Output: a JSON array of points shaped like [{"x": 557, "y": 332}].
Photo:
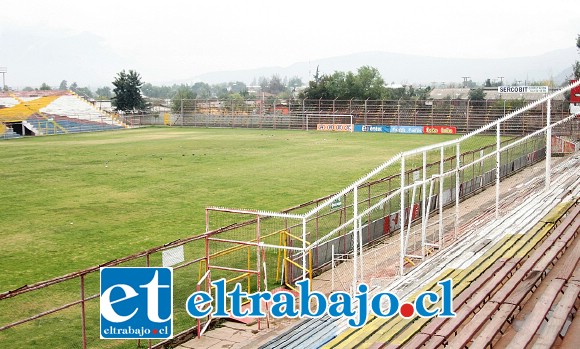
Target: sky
[{"x": 89, "y": 42}]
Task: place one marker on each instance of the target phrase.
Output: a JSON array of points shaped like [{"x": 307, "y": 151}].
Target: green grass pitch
[{"x": 71, "y": 202}]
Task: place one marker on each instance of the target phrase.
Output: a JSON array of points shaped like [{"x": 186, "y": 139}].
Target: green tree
[
  {"x": 183, "y": 95},
  {"x": 276, "y": 86},
  {"x": 28, "y": 89},
  {"x": 367, "y": 83},
  {"x": 163, "y": 92},
  {"x": 74, "y": 86},
  {"x": 44, "y": 87},
  {"x": 238, "y": 87},
  {"x": 294, "y": 83},
  {"x": 85, "y": 92},
  {"x": 127, "y": 92},
  {"x": 263, "y": 82},
  {"x": 104, "y": 92},
  {"x": 477, "y": 94},
  {"x": 63, "y": 85},
  {"x": 235, "y": 102},
  {"x": 219, "y": 91},
  {"x": 370, "y": 83},
  {"x": 201, "y": 90}
]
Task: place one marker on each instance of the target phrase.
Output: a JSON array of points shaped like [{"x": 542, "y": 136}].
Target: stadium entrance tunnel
[{"x": 19, "y": 128}]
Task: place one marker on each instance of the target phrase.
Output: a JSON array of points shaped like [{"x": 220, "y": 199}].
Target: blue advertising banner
[
  {"x": 407, "y": 129},
  {"x": 371, "y": 128}
]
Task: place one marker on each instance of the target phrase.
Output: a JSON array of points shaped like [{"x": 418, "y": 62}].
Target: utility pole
[{"x": 501, "y": 79}]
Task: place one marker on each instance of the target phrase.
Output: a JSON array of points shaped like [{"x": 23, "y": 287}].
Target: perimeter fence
[{"x": 305, "y": 114}]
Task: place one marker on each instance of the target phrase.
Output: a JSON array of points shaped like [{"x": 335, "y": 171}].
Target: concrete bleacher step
[{"x": 9, "y": 134}]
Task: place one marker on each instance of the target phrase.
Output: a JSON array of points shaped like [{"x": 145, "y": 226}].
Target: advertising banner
[
  {"x": 440, "y": 130},
  {"x": 406, "y": 129},
  {"x": 392, "y": 221},
  {"x": 371, "y": 128},
  {"x": 335, "y": 127},
  {"x": 575, "y": 93},
  {"x": 522, "y": 89},
  {"x": 560, "y": 145}
]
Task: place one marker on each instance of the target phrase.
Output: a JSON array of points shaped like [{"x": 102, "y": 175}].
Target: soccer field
[{"x": 75, "y": 201}]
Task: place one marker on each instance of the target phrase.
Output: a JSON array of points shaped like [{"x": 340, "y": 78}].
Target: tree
[
  {"x": 127, "y": 91},
  {"x": 85, "y": 92},
  {"x": 163, "y": 92},
  {"x": 184, "y": 97},
  {"x": 238, "y": 87},
  {"x": 44, "y": 87},
  {"x": 294, "y": 82},
  {"x": 370, "y": 83},
  {"x": 263, "y": 82},
  {"x": 235, "y": 102},
  {"x": 104, "y": 93},
  {"x": 63, "y": 85},
  {"x": 201, "y": 90},
  {"x": 74, "y": 86},
  {"x": 367, "y": 83},
  {"x": 219, "y": 91},
  {"x": 477, "y": 94}
]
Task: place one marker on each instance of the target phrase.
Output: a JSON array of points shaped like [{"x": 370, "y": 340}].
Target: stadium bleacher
[
  {"x": 75, "y": 107},
  {"x": 51, "y": 112},
  {"x": 8, "y": 101},
  {"x": 498, "y": 277}
]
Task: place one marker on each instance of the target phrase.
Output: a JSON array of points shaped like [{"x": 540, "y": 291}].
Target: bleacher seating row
[
  {"x": 8, "y": 101},
  {"x": 63, "y": 124},
  {"x": 493, "y": 288}
]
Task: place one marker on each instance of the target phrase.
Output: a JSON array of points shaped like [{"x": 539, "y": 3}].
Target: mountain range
[{"x": 396, "y": 68}]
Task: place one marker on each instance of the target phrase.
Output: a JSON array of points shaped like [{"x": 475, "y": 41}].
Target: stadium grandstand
[{"x": 37, "y": 113}]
